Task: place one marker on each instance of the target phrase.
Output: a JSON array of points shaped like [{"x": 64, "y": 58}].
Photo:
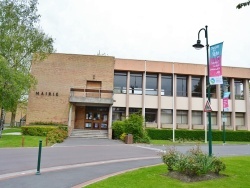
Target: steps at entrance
[{"x": 81, "y": 133}]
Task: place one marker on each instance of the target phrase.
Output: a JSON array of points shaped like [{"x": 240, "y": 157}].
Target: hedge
[
  {"x": 167, "y": 134},
  {"x": 40, "y": 130}
]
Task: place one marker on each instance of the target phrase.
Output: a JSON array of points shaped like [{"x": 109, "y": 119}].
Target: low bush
[
  {"x": 118, "y": 129},
  {"x": 56, "y": 136},
  {"x": 37, "y": 130},
  {"x": 167, "y": 134},
  {"x": 194, "y": 163},
  {"x": 133, "y": 125}
]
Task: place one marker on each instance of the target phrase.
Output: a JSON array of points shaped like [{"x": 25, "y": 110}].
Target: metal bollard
[{"x": 39, "y": 158}]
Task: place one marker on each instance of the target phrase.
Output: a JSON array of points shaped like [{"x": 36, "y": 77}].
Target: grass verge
[
  {"x": 9, "y": 141},
  {"x": 236, "y": 172}
]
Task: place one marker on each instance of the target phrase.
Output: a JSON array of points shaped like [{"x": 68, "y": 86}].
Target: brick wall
[{"x": 56, "y": 75}]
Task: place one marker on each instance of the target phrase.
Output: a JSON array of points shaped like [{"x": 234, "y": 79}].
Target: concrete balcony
[{"x": 91, "y": 96}]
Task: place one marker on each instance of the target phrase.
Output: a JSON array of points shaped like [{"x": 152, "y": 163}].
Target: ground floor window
[
  {"x": 197, "y": 117},
  {"x": 135, "y": 110},
  {"x": 150, "y": 115},
  {"x": 182, "y": 117},
  {"x": 118, "y": 113},
  {"x": 240, "y": 119},
  {"x": 213, "y": 118},
  {"x": 166, "y": 116},
  {"x": 227, "y": 118}
]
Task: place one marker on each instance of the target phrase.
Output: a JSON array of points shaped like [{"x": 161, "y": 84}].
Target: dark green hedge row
[
  {"x": 39, "y": 130},
  {"x": 167, "y": 134}
]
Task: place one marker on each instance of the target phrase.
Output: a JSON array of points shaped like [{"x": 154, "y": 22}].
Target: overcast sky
[{"x": 161, "y": 30}]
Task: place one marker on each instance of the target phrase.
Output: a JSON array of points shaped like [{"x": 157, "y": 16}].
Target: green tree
[
  {"x": 240, "y": 5},
  {"x": 22, "y": 42}
]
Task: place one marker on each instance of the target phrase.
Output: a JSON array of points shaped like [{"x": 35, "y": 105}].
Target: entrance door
[{"x": 96, "y": 118}]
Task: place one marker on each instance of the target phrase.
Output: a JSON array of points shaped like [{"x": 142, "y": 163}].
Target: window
[
  {"x": 225, "y": 87},
  {"x": 135, "y": 83},
  {"x": 166, "y": 116},
  {"x": 197, "y": 117},
  {"x": 166, "y": 85},
  {"x": 238, "y": 85},
  {"x": 240, "y": 119},
  {"x": 151, "y": 84},
  {"x": 118, "y": 114},
  {"x": 182, "y": 117},
  {"x": 135, "y": 110},
  {"x": 196, "y": 87},
  {"x": 182, "y": 86},
  {"x": 120, "y": 82},
  {"x": 150, "y": 115},
  {"x": 212, "y": 91},
  {"x": 213, "y": 118},
  {"x": 227, "y": 118}
]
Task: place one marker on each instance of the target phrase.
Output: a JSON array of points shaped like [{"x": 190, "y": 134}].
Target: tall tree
[
  {"x": 240, "y": 5},
  {"x": 22, "y": 42}
]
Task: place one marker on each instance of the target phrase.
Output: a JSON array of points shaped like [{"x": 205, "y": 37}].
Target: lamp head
[{"x": 198, "y": 45}]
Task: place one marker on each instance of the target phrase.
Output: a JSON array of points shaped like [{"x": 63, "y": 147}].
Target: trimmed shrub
[
  {"x": 57, "y": 136},
  {"x": 167, "y": 134},
  {"x": 118, "y": 128},
  {"x": 37, "y": 130}
]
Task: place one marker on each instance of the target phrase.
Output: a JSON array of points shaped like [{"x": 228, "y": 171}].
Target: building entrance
[{"x": 93, "y": 118}]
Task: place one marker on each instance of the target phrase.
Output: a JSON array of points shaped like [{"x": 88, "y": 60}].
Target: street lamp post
[{"x": 198, "y": 46}]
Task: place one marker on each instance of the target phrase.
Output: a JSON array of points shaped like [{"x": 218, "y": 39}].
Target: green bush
[
  {"x": 37, "y": 130},
  {"x": 118, "y": 129},
  {"x": 133, "y": 125},
  {"x": 194, "y": 163},
  {"x": 57, "y": 136},
  {"x": 167, "y": 134}
]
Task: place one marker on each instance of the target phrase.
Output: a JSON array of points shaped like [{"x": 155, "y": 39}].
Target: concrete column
[
  {"x": 69, "y": 119},
  {"x": 220, "y": 108},
  {"x": 110, "y": 123},
  {"x": 127, "y": 95},
  {"x": 159, "y": 102},
  {"x": 233, "y": 104},
  {"x": 189, "y": 90},
  {"x": 246, "y": 98}
]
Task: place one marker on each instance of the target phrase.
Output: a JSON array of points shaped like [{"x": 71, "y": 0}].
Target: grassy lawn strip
[
  {"x": 8, "y": 141},
  {"x": 168, "y": 142},
  {"x": 237, "y": 169}
]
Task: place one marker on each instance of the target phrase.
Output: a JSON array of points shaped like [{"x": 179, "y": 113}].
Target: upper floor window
[
  {"x": 151, "y": 84},
  {"x": 238, "y": 85},
  {"x": 182, "y": 86},
  {"x": 196, "y": 87},
  {"x": 120, "y": 82},
  {"x": 135, "y": 83},
  {"x": 166, "y": 85}
]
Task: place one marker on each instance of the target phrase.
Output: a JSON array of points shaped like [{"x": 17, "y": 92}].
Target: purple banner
[{"x": 215, "y": 68}]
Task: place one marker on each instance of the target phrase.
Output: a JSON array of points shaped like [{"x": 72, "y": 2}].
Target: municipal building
[{"x": 89, "y": 92}]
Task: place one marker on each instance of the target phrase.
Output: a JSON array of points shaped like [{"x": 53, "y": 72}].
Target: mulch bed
[{"x": 186, "y": 178}]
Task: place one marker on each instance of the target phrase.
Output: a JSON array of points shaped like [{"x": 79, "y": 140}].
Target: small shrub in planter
[{"x": 194, "y": 163}]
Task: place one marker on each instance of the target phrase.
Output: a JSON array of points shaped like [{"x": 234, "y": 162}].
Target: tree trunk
[{"x": 13, "y": 118}]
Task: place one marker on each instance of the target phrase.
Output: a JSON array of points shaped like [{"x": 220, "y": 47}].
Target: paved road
[{"x": 78, "y": 161}]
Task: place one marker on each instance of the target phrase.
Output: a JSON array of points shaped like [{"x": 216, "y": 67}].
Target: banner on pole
[{"x": 215, "y": 68}]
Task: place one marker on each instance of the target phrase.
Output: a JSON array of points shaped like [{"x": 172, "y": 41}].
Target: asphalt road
[{"x": 78, "y": 162}]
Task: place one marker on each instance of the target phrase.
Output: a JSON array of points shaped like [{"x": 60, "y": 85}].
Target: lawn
[
  {"x": 237, "y": 176},
  {"x": 7, "y": 140}
]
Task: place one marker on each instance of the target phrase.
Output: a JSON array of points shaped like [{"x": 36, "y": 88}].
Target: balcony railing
[{"x": 93, "y": 95}]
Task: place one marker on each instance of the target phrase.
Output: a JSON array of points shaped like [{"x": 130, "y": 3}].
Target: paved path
[{"x": 77, "y": 162}]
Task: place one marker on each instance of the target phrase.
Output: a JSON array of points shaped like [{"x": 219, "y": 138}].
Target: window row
[
  {"x": 166, "y": 87},
  {"x": 119, "y": 113}
]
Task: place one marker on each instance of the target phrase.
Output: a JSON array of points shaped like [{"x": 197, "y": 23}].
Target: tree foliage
[
  {"x": 22, "y": 42},
  {"x": 240, "y": 5}
]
